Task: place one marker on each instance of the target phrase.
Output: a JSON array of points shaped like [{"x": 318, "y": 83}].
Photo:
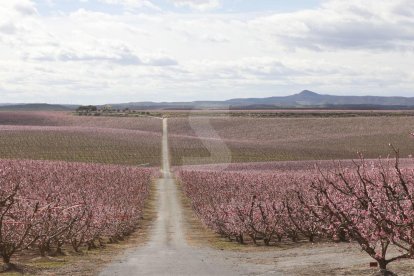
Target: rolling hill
[
  {"x": 304, "y": 99},
  {"x": 36, "y": 107}
]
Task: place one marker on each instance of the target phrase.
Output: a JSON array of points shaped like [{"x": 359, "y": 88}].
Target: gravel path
[{"x": 167, "y": 252}]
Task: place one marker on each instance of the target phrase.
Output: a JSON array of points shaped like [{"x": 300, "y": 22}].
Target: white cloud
[
  {"x": 202, "y": 5},
  {"x": 25, "y": 8},
  {"x": 106, "y": 53},
  {"x": 8, "y": 28},
  {"x": 359, "y": 47},
  {"x": 353, "y": 24},
  {"x": 16, "y": 7},
  {"x": 132, "y": 3}
]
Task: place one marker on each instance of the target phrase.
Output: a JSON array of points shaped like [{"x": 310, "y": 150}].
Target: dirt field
[
  {"x": 62, "y": 136},
  {"x": 232, "y": 139}
]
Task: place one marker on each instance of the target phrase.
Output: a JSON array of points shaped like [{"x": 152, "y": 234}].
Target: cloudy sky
[{"x": 100, "y": 51}]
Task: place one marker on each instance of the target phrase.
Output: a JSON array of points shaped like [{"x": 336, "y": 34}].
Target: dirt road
[{"x": 167, "y": 252}]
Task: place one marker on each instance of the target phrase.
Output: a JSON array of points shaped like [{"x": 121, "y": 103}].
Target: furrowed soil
[
  {"x": 208, "y": 140},
  {"x": 62, "y": 136}
]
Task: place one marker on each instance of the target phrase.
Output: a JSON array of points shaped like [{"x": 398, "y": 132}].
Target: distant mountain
[
  {"x": 304, "y": 99},
  {"x": 308, "y": 98},
  {"x": 36, "y": 107},
  {"x": 6, "y": 104}
]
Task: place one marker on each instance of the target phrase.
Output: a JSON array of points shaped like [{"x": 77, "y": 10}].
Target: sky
[{"x": 113, "y": 51}]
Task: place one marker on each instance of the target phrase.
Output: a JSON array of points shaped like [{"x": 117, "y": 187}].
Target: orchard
[
  {"x": 368, "y": 203},
  {"x": 49, "y": 205}
]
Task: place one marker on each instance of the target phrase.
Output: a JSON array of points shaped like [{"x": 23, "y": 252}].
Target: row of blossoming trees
[
  {"x": 49, "y": 205},
  {"x": 371, "y": 203}
]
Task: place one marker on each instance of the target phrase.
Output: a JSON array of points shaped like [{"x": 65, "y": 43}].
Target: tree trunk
[
  {"x": 75, "y": 246},
  {"x": 253, "y": 239},
  {"x": 42, "y": 251},
  {"x": 8, "y": 266},
  {"x": 101, "y": 242},
  {"x": 341, "y": 235},
  {"x": 382, "y": 264},
  {"x": 241, "y": 239},
  {"x": 59, "y": 251},
  {"x": 6, "y": 259},
  {"x": 91, "y": 245},
  {"x": 384, "y": 272}
]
